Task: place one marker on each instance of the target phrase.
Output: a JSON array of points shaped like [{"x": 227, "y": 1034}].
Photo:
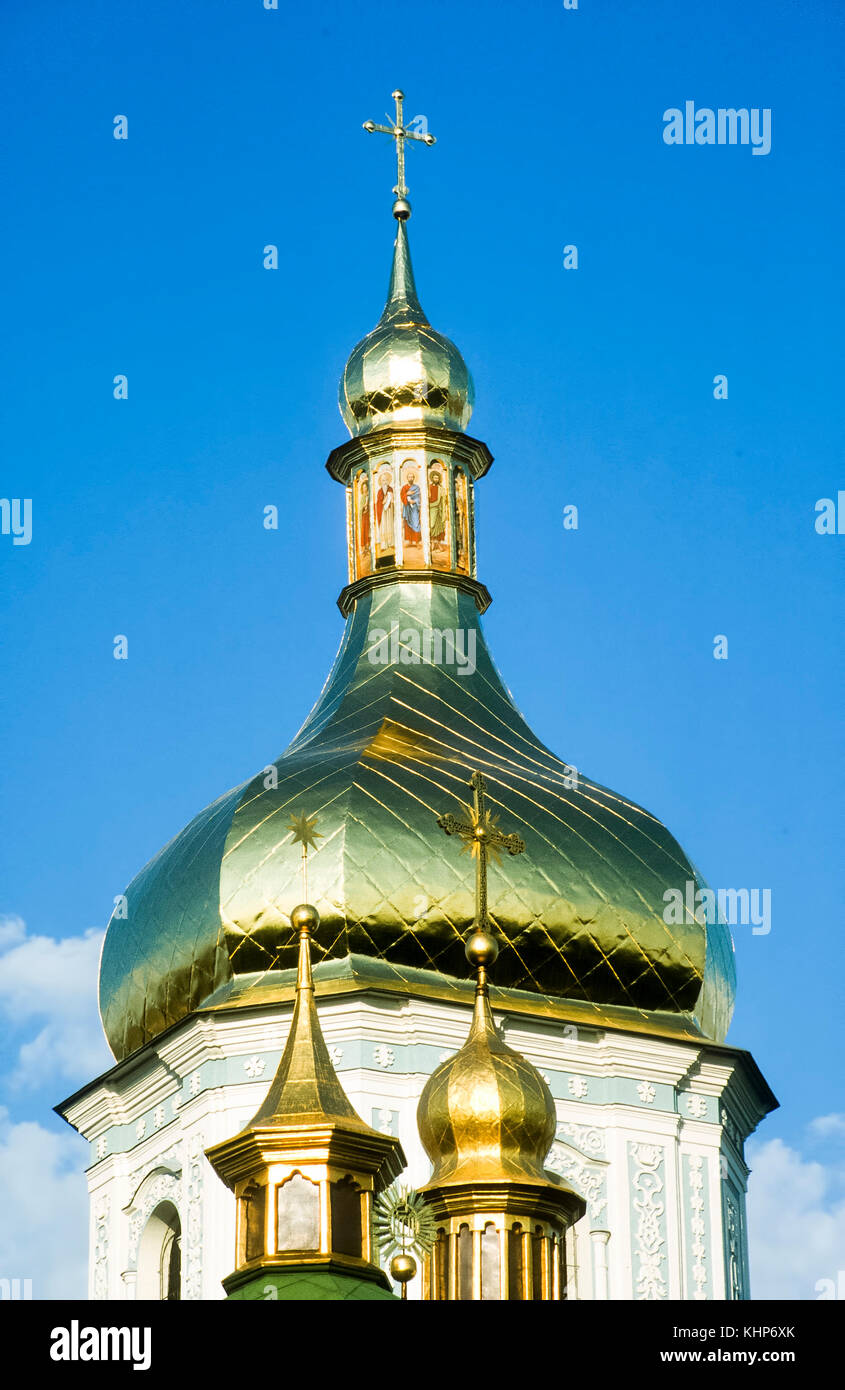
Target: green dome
[{"x": 311, "y": 1286}]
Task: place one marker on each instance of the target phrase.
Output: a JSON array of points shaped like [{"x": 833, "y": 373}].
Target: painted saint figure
[
  {"x": 438, "y": 511},
  {"x": 385, "y": 513},
  {"x": 364, "y": 559},
  {"x": 364, "y": 509},
  {"x": 410, "y": 495},
  {"x": 461, "y": 524}
]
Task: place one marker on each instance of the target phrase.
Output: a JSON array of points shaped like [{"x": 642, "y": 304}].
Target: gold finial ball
[
  {"x": 305, "y": 918},
  {"x": 403, "y": 1268},
  {"x": 482, "y": 949},
  {"x": 397, "y": 95},
  {"x": 401, "y": 209}
]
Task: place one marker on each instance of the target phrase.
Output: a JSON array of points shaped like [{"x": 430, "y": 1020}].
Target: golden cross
[
  {"x": 482, "y": 836},
  {"x": 400, "y": 133}
]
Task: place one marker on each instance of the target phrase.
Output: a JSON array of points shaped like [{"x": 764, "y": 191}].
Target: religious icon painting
[
  {"x": 384, "y": 517},
  {"x": 438, "y": 516},
  {"x": 363, "y": 524},
  {"x": 461, "y": 522},
  {"x": 410, "y": 501}
]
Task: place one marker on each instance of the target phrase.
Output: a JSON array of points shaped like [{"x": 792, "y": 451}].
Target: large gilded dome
[
  {"x": 385, "y": 751},
  {"x": 404, "y": 370}
]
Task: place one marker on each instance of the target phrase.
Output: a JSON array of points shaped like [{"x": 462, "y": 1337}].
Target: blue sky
[{"x": 593, "y": 386}]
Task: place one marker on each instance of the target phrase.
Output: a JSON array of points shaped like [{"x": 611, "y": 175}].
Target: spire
[
  {"x": 305, "y": 1089},
  {"x": 403, "y": 306},
  {"x": 406, "y": 374},
  {"x": 306, "y": 1168}
]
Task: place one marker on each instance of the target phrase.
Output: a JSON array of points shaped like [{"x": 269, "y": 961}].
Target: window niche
[
  {"x": 516, "y": 1263},
  {"x": 171, "y": 1265},
  {"x": 538, "y": 1264},
  {"x": 160, "y": 1256},
  {"x": 347, "y": 1228},
  {"x": 464, "y": 1263},
  {"x": 297, "y": 1214},
  {"x": 491, "y": 1250},
  {"x": 254, "y": 1220},
  {"x": 440, "y": 1266}
]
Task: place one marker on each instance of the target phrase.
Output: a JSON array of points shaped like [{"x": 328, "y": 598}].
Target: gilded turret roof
[
  {"x": 486, "y": 1114},
  {"x": 305, "y": 1089},
  {"x": 404, "y": 370}
]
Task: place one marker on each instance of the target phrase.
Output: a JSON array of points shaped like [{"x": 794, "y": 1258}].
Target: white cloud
[
  {"x": 52, "y": 1037},
  {"x": 52, "y": 986},
  {"x": 44, "y": 1231},
  {"x": 796, "y": 1219},
  {"x": 828, "y": 1127},
  {"x": 12, "y": 929}
]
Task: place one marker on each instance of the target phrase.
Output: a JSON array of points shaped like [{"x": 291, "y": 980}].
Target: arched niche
[
  {"x": 154, "y": 1221},
  {"x": 159, "y": 1276}
]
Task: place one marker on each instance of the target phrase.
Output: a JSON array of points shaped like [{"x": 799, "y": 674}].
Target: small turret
[
  {"x": 305, "y": 1170},
  {"x": 487, "y": 1121}
]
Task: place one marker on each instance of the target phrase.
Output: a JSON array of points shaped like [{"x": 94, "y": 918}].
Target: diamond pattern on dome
[
  {"x": 580, "y": 913},
  {"x": 409, "y": 369},
  {"x": 386, "y": 750}
]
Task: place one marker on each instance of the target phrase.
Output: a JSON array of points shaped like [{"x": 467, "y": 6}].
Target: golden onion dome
[
  {"x": 486, "y": 1114},
  {"x": 581, "y": 915},
  {"x": 404, "y": 370}
]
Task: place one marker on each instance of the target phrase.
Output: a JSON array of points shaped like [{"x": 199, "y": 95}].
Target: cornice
[
  {"x": 473, "y": 453},
  {"x": 348, "y": 597}
]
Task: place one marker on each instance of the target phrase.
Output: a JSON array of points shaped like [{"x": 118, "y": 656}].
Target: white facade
[{"x": 650, "y": 1132}]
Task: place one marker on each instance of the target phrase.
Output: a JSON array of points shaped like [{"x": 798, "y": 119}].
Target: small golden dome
[
  {"x": 486, "y": 1114},
  {"x": 404, "y": 370}
]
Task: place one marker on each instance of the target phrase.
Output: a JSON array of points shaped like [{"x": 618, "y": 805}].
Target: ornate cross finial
[
  {"x": 400, "y": 133},
  {"x": 482, "y": 837}
]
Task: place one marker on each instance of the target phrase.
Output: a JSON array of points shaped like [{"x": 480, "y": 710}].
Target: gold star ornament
[{"x": 304, "y": 830}]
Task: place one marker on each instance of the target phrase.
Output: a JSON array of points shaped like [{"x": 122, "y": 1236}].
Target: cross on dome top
[{"x": 400, "y": 133}]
